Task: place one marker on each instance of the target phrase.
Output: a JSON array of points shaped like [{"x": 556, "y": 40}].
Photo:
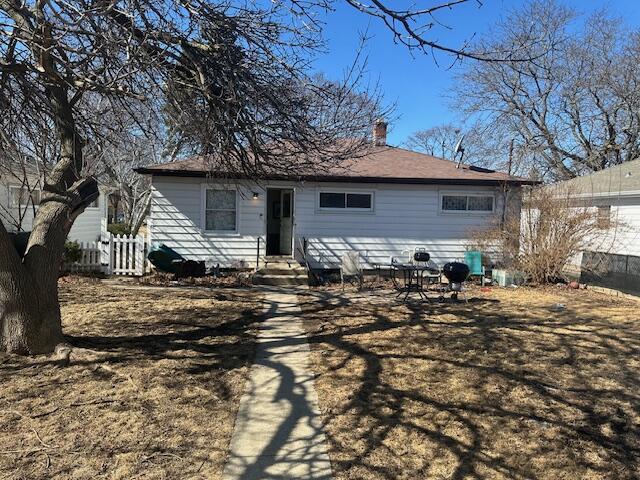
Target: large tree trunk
[
  {"x": 29, "y": 311},
  {"x": 30, "y": 320}
]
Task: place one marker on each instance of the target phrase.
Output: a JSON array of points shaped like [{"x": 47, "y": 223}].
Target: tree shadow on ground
[
  {"x": 151, "y": 390},
  {"x": 485, "y": 389}
]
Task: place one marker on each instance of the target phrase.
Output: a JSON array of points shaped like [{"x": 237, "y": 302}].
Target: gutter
[{"x": 343, "y": 178}]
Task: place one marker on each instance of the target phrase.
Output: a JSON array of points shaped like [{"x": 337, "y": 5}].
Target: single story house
[
  {"x": 383, "y": 203},
  {"x": 614, "y": 254},
  {"x": 17, "y": 204}
]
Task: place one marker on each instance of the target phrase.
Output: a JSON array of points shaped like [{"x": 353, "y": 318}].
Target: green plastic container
[{"x": 162, "y": 258}]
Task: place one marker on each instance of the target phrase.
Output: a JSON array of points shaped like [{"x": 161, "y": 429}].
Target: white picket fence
[
  {"x": 91, "y": 260},
  {"x": 113, "y": 255},
  {"x": 127, "y": 256}
]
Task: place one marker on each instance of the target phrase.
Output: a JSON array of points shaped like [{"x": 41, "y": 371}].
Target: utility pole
[{"x": 505, "y": 187}]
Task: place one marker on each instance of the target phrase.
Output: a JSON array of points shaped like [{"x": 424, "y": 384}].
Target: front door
[{"x": 279, "y": 221}]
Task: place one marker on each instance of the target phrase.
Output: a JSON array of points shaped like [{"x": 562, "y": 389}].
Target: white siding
[
  {"x": 9, "y": 214},
  {"x": 177, "y": 221},
  {"x": 624, "y": 237},
  {"x": 86, "y": 228},
  {"x": 404, "y": 216}
]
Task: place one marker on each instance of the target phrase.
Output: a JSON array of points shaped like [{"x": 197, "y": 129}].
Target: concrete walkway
[{"x": 278, "y": 433}]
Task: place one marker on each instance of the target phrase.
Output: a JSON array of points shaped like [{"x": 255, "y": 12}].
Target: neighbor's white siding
[
  {"x": 86, "y": 228},
  {"x": 403, "y": 217},
  {"x": 9, "y": 214},
  {"x": 624, "y": 237}
]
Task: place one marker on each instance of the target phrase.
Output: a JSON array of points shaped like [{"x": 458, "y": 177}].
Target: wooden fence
[
  {"x": 91, "y": 259},
  {"x": 127, "y": 255},
  {"x": 113, "y": 255}
]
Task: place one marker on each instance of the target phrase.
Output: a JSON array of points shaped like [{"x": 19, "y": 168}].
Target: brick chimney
[{"x": 380, "y": 133}]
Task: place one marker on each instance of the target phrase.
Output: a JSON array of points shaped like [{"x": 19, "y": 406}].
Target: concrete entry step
[
  {"x": 278, "y": 270},
  {"x": 280, "y": 280},
  {"x": 287, "y": 262},
  {"x": 281, "y": 272}
]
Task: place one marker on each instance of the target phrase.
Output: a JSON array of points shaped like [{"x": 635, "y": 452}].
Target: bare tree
[
  {"x": 417, "y": 28},
  {"x": 480, "y": 148},
  {"x": 241, "y": 70},
  {"x": 132, "y": 190},
  {"x": 127, "y": 140},
  {"x": 438, "y": 141},
  {"x": 574, "y": 108}
]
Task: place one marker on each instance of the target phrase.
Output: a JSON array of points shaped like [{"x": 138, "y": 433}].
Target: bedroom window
[
  {"x": 21, "y": 197},
  {"x": 467, "y": 203},
  {"x": 346, "y": 201},
  {"x": 220, "y": 210}
]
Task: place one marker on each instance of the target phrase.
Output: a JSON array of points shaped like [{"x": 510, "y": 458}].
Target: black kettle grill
[
  {"x": 421, "y": 257},
  {"x": 456, "y": 273}
]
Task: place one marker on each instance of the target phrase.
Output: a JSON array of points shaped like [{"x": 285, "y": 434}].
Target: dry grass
[
  {"x": 506, "y": 386},
  {"x": 152, "y": 389},
  {"x": 228, "y": 280}
]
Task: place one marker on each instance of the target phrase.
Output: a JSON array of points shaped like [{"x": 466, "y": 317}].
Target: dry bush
[{"x": 552, "y": 229}]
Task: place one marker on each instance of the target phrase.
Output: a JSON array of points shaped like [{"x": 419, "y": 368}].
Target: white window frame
[
  {"x": 203, "y": 210},
  {"x": 12, "y": 201},
  {"x": 345, "y": 209},
  {"x": 97, "y": 200},
  {"x": 463, "y": 193}
]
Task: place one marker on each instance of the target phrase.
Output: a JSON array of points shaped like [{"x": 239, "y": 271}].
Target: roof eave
[{"x": 346, "y": 178}]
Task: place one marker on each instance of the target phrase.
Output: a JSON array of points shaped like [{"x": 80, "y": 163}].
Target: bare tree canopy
[
  {"x": 238, "y": 72},
  {"x": 438, "y": 141},
  {"x": 481, "y": 148},
  {"x": 416, "y": 28},
  {"x": 573, "y": 110},
  {"x": 126, "y": 140}
]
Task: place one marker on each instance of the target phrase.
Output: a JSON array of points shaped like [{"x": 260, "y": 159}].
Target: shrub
[
  {"x": 72, "y": 252},
  {"x": 119, "y": 229},
  {"x": 553, "y": 228}
]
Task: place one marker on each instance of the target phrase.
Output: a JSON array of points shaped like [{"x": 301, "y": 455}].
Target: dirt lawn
[
  {"x": 510, "y": 385},
  {"x": 152, "y": 389}
]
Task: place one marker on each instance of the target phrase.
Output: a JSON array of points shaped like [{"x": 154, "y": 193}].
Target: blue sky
[{"x": 417, "y": 85}]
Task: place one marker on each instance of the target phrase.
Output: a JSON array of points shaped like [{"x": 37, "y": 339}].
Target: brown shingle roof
[{"x": 380, "y": 165}]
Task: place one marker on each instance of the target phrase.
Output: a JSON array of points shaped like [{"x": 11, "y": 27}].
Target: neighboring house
[
  {"x": 615, "y": 193},
  {"x": 385, "y": 202},
  {"x": 17, "y": 208}
]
